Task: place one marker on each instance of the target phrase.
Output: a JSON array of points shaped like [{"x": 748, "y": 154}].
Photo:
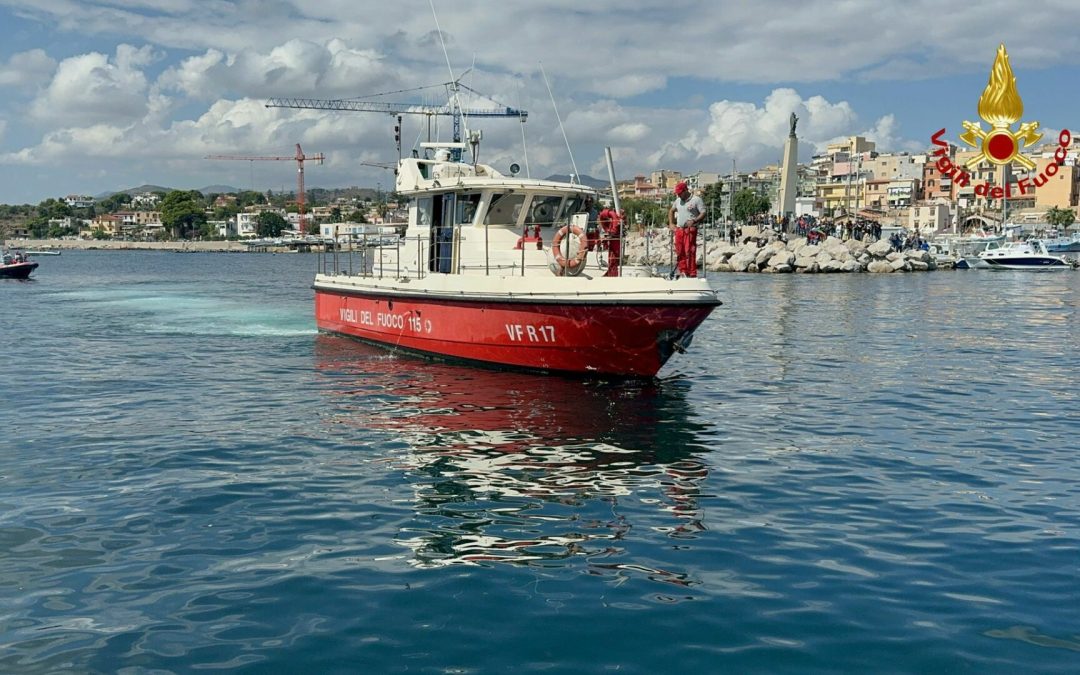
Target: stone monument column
[{"x": 789, "y": 179}]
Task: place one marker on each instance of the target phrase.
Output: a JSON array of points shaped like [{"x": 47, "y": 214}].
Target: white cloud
[
  {"x": 743, "y": 129},
  {"x": 27, "y": 69},
  {"x": 92, "y": 88},
  {"x": 886, "y": 135},
  {"x": 298, "y": 68}
]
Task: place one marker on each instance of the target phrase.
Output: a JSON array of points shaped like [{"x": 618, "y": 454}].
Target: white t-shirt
[{"x": 687, "y": 210}]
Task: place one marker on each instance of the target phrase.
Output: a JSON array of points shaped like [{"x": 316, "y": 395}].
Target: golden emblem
[{"x": 1000, "y": 106}]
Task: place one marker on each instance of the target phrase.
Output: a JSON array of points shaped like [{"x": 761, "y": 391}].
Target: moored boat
[
  {"x": 502, "y": 270},
  {"x": 1023, "y": 255},
  {"x": 1063, "y": 244}
]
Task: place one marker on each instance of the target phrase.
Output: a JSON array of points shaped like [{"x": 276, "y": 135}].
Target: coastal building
[
  {"x": 79, "y": 201},
  {"x": 247, "y": 220},
  {"x": 137, "y": 219},
  {"x": 639, "y": 188},
  {"x": 1060, "y": 190},
  {"x": 935, "y": 184},
  {"x": 930, "y": 217},
  {"x": 852, "y": 145},
  {"x": 109, "y": 223},
  {"x": 901, "y": 192},
  {"x": 665, "y": 179},
  {"x": 146, "y": 199},
  {"x": 703, "y": 179}
]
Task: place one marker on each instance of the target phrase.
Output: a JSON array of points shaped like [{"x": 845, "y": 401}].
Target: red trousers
[
  {"x": 614, "y": 254},
  {"x": 686, "y": 251}
]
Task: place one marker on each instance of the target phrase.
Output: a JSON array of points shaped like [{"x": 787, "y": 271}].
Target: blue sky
[{"x": 101, "y": 95}]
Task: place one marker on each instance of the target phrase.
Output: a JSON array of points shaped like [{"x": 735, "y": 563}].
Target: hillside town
[{"x": 852, "y": 180}]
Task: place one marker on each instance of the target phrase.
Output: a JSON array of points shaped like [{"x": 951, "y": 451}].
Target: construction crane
[
  {"x": 300, "y": 158},
  {"x": 450, "y": 109}
]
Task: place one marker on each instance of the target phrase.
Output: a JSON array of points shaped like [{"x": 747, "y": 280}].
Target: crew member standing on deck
[
  {"x": 686, "y": 212},
  {"x": 611, "y": 224}
]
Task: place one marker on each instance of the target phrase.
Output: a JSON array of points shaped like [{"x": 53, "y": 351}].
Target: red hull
[{"x": 615, "y": 339}]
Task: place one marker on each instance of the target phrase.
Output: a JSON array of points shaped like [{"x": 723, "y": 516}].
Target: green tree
[
  {"x": 644, "y": 213},
  {"x": 747, "y": 204},
  {"x": 270, "y": 224},
  {"x": 715, "y": 200},
  {"x": 1060, "y": 218},
  {"x": 53, "y": 208},
  {"x": 182, "y": 211},
  {"x": 226, "y": 212},
  {"x": 115, "y": 202}
]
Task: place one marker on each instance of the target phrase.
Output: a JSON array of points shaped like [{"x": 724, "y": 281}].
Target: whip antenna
[
  {"x": 574, "y": 178},
  {"x": 455, "y": 103},
  {"x": 524, "y": 146}
]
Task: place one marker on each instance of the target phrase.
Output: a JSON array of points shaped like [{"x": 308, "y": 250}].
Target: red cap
[{"x": 680, "y": 187}]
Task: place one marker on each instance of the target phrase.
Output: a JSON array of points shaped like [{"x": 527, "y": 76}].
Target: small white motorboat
[{"x": 1023, "y": 255}]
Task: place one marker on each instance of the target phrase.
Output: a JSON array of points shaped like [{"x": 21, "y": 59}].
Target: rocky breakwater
[{"x": 797, "y": 255}]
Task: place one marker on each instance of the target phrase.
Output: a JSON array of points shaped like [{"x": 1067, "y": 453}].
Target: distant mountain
[
  {"x": 134, "y": 191},
  {"x": 219, "y": 190},
  {"x": 209, "y": 189},
  {"x": 584, "y": 179}
]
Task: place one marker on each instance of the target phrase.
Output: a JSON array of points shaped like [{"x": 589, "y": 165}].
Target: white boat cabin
[{"x": 471, "y": 219}]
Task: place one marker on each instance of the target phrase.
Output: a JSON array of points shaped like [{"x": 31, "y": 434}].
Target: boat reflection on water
[{"x": 512, "y": 467}]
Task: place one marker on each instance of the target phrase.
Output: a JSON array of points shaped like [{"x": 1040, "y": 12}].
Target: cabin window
[
  {"x": 504, "y": 209},
  {"x": 466, "y": 208},
  {"x": 424, "y": 207},
  {"x": 572, "y": 205},
  {"x": 543, "y": 210}
]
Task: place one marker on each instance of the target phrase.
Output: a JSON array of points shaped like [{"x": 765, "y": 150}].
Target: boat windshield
[{"x": 504, "y": 209}]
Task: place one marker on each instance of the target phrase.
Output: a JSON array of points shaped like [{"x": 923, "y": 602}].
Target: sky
[{"x": 104, "y": 95}]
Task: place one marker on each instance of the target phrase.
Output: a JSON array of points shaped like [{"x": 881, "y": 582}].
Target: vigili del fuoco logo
[{"x": 1000, "y": 106}]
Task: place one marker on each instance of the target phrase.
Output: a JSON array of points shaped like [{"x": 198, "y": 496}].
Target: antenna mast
[{"x": 576, "y": 175}]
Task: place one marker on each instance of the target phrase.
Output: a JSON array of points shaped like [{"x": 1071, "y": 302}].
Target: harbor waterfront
[
  {"x": 763, "y": 253},
  {"x": 845, "y": 473}
]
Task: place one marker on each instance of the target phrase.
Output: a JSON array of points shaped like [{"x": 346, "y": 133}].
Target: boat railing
[
  {"x": 366, "y": 256},
  {"x": 374, "y": 256}
]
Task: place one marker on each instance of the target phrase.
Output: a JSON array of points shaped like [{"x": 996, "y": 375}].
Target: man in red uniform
[
  {"x": 684, "y": 216},
  {"x": 611, "y": 225}
]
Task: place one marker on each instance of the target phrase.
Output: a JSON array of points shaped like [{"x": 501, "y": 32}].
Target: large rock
[
  {"x": 856, "y": 247},
  {"x": 742, "y": 260},
  {"x": 782, "y": 259},
  {"x": 879, "y": 267},
  {"x": 836, "y": 249},
  {"x": 879, "y": 249},
  {"x": 901, "y": 265}
]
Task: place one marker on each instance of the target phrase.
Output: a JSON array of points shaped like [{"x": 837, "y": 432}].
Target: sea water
[{"x": 861, "y": 473}]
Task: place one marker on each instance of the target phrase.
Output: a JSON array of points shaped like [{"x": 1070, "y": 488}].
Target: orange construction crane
[{"x": 300, "y": 158}]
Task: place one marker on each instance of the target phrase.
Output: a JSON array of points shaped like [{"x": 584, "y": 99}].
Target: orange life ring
[{"x": 583, "y": 247}]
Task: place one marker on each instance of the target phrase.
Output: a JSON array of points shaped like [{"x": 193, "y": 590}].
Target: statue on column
[{"x": 794, "y": 121}]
